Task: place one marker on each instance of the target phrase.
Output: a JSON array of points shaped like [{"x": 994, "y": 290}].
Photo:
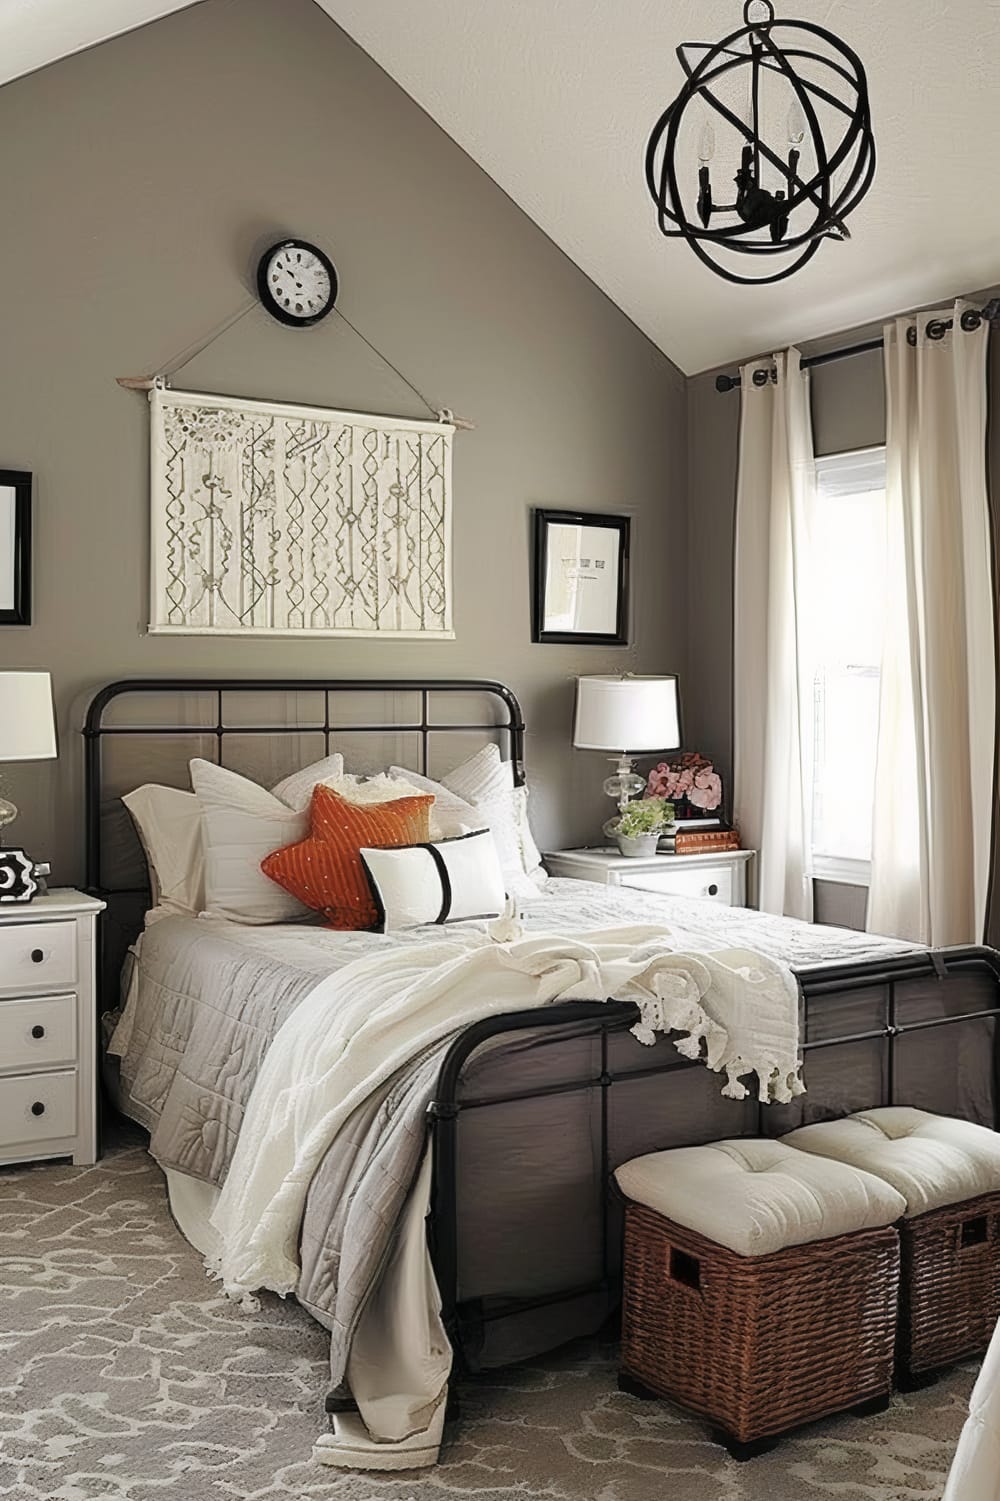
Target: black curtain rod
[{"x": 936, "y": 329}]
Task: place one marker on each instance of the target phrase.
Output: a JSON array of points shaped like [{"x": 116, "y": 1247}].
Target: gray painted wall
[{"x": 145, "y": 178}]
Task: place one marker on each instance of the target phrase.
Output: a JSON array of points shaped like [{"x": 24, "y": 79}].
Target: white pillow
[
  {"x": 451, "y": 880},
  {"x": 487, "y": 782},
  {"x": 382, "y": 788},
  {"x": 297, "y": 790},
  {"x": 451, "y": 816},
  {"x": 241, "y": 824},
  {"x": 168, "y": 822}
]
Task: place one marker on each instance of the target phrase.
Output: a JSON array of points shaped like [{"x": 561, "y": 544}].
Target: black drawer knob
[
  {"x": 38, "y": 1108},
  {"x": 713, "y": 890},
  {"x": 37, "y": 956},
  {"x": 37, "y": 1031}
]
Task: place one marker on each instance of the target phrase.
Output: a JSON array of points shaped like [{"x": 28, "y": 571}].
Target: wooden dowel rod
[{"x": 147, "y": 382}]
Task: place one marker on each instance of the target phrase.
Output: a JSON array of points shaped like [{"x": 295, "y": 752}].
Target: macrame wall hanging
[
  {"x": 272, "y": 519},
  {"x": 298, "y": 521}
]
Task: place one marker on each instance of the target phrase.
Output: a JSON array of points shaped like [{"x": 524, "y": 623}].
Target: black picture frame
[
  {"x": 544, "y": 521},
  {"x": 16, "y": 584}
]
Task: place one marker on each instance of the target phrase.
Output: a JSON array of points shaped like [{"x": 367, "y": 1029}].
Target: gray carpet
[{"x": 124, "y": 1376}]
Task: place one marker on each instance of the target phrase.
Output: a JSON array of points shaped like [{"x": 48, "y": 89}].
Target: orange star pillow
[{"x": 325, "y": 871}]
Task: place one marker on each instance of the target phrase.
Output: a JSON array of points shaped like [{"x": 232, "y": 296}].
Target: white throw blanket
[{"x": 362, "y": 1024}]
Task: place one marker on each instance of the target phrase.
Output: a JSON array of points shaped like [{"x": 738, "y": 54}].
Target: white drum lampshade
[
  {"x": 27, "y": 725},
  {"x": 627, "y": 714}
]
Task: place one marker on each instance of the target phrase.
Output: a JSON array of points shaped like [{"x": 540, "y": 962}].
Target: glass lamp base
[
  {"x": 8, "y": 813},
  {"x": 625, "y": 783}
]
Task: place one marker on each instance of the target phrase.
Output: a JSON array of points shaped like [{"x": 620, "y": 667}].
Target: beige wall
[{"x": 142, "y": 180}]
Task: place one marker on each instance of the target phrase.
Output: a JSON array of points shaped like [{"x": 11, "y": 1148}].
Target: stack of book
[{"x": 699, "y": 836}]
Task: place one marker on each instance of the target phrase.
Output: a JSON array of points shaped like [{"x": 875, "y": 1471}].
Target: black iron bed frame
[{"x": 600, "y": 1020}]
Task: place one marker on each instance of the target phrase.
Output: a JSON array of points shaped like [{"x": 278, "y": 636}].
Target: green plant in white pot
[{"x": 637, "y": 829}]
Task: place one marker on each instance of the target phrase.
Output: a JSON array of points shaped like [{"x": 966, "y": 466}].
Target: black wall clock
[{"x": 296, "y": 282}]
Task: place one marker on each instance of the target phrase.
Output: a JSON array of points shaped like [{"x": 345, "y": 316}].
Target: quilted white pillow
[
  {"x": 168, "y": 822},
  {"x": 487, "y": 781},
  {"x": 241, "y": 823},
  {"x": 450, "y": 880}
]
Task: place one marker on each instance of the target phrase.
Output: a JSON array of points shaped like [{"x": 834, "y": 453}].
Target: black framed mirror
[
  {"x": 15, "y": 547},
  {"x": 580, "y": 593}
]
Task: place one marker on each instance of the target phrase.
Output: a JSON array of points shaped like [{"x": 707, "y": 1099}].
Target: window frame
[{"x": 853, "y": 472}]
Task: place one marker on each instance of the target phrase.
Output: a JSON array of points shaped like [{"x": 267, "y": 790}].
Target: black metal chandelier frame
[{"x": 760, "y": 209}]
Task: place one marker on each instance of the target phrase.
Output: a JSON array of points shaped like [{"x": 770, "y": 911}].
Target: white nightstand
[
  {"x": 720, "y": 877},
  {"x": 48, "y": 1028}
]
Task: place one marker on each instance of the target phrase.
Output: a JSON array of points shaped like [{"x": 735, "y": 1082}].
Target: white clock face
[{"x": 298, "y": 281}]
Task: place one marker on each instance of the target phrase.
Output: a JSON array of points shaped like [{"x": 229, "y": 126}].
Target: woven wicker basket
[
  {"x": 950, "y": 1290},
  {"x": 758, "y": 1344}
]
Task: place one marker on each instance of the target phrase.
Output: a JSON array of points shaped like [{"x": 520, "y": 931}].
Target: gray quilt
[{"x": 206, "y": 998}]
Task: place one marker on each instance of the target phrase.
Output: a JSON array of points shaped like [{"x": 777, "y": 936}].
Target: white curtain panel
[
  {"x": 934, "y": 771},
  {"x": 772, "y": 691}
]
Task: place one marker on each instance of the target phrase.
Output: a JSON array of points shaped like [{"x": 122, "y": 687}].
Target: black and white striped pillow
[{"x": 451, "y": 880}]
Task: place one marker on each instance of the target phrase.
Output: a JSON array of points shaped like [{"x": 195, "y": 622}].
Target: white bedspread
[{"x": 359, "y": 1026}]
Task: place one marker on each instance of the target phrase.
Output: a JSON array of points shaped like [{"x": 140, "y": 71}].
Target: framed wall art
[
  {"x": 580, "y": 591},
  {"x": 15, "y": 547}
]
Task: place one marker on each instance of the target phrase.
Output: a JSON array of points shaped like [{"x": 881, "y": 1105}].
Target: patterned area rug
[{"x": 125, "y": 1376}]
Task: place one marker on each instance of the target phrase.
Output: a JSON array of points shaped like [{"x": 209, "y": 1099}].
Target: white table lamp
[
  {"x": 27, "y": 725},
  {"x": 627, "y": 715}
]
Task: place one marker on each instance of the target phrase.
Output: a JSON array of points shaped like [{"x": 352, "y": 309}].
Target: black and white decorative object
[
  {"x": 452, "y": 880},
  {"x": 780, "y": 108},
  {"x": 18, "y": 882},
  {"x": 15, "y": 547},
  {"x": 580, "y": 591},
  {"x": 296, "y": 282}
]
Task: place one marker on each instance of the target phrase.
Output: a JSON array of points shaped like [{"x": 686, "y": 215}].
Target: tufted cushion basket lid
[
  {"x": 932, "y": 1160},
  {"x": 757, "y": 1196}
]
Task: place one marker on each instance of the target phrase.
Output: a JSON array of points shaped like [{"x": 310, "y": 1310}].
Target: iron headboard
[{"x": 127, "y": 903}]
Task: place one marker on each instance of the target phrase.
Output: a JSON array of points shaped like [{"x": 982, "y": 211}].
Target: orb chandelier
[{"x": 783, "y": 105}]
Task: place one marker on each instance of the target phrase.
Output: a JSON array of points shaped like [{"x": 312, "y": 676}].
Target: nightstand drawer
[
  {"x": 39, "y": 955},
  {"x": 37, "y": 1108},
  {"x": 37, "y": 1032},
  {"x": 712, "y": 881}
]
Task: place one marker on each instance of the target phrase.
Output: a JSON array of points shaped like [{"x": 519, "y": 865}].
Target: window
[{"x": 845, "y": 625}]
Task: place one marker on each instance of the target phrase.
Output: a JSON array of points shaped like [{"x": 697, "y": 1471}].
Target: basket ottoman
[
  {"x": 760, "y": 1286},
  {"x": 948, "y": 1171}
]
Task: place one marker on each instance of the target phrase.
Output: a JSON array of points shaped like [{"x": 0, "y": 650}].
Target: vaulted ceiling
[{"x": 555, "y": 98}]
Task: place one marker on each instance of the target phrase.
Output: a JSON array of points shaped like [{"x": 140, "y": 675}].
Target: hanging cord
[
  {"x": 190, "y": 351},
  {"x": 435, "y": 411}
]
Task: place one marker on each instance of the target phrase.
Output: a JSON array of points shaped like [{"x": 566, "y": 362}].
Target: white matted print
[
  {"x": 15, "y": 547},
  {"x": 581, "y": 577},
  {"x": 297, "y": 521}
]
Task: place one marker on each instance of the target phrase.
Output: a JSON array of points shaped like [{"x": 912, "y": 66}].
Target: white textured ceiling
[
  {"x": 36, "y": 32},
  {"x": 555, "y": 99}
]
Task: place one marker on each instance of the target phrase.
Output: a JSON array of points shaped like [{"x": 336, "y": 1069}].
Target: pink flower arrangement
[{"x": 689, "y": 777}]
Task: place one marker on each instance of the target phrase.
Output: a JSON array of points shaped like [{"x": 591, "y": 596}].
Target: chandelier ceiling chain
[{"x": 789, "y": 198}]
